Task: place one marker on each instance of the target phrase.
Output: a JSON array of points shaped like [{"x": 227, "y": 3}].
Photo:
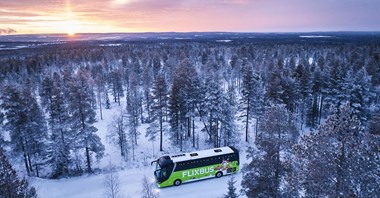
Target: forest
[{"x": 308, "y": 109}]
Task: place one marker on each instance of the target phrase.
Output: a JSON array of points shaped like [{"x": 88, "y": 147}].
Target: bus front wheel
[
  {"x": 218, "y": 174},
  {"x": 177, "y": 182}
]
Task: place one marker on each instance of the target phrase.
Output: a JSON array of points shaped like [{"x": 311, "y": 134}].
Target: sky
[{"x": 104, "y": 16}]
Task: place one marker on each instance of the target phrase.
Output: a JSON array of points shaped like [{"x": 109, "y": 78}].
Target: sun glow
[
  {"x": 71, "y": 34},
  {"x": 71, "y": 27}
]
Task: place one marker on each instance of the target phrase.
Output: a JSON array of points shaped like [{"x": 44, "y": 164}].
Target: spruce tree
[{"x": 231, "y": 189}]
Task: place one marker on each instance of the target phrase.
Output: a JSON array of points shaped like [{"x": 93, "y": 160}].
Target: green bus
[{"x": 187, "y": 167}]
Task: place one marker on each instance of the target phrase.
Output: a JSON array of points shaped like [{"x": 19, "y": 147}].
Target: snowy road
[{"x": 130, "y": 185}]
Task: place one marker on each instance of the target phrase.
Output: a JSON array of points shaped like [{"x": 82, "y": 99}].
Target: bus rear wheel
[
  {"x": 177, "y": 182},
  {"x": 218, "y": 174}
]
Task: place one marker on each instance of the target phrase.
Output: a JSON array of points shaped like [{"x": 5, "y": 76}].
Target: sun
[
  {"x": 71, "y": 34},
  {"x": 71, "y": 28}
]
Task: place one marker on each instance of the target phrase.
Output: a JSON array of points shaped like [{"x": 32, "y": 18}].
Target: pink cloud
[{"x": 7, "y": 31}]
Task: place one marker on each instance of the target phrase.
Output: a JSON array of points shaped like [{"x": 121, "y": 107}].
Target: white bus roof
[{"x": 201, "y": 154}]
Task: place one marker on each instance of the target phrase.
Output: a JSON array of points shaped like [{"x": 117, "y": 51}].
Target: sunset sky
[{"x": 101, "y": 16}]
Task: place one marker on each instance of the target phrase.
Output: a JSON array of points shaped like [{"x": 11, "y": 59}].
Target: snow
[
  {"x": 110, "y": 45},
  {"x": 311, "y": 60},
  {"x": 131, "y": 174},
  {"x": 315, "y": 36}
]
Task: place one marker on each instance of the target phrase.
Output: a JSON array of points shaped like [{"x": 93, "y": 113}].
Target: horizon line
[{"x": 187, "y": 32}]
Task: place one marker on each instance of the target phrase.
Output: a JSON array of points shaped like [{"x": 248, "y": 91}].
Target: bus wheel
[
  {"x": 177, "y": 182},
  {"x": 218, "y": 174}
]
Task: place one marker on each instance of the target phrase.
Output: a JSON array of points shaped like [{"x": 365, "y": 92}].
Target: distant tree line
[{"x": 273, "y": 93}]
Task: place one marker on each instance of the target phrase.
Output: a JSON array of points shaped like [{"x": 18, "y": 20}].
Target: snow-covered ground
[{"x": 131, "y": 175}]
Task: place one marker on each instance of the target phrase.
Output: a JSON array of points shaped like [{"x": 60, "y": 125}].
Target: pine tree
[
  {"x": 334, "y": 159},
  {"x": 212, "y": 109},
  {"x": 10, "y": 185},
  {"x": 55, "y": 104},
  {"x": 183, "y": 100},
  {"x": 275, "y": 85},
  {"x": 116, "y": 83},
  {"x": 246, "y": 102},
  {"x": 133, "y": 108},
  {"x": 82, "y": 116},
  {"x": 258, "y": 100},
  {"x": 262, "y": 176},
  {"x": 313, "y": 115},
  {"x": 360, "y": 95},
  {"x": 159, "y": 95},
  {"x": 26, "y": 125},
  {"x": 303, "y": 87},
  {"x": 229, "y": 130},
  {"x": 100, "y": 84},
  {"x": 231, "y": 189},
  {"x": 152, "y": 132}
]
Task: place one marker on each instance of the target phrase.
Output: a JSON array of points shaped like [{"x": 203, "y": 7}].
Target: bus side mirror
[{"x": 153, "y": 162}]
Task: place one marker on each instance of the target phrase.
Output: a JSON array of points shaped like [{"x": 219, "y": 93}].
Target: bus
[{"x": 187, "y": 167}]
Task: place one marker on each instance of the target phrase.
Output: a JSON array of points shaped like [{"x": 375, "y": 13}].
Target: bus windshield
[
  {"x": 164, "y": 167},
  {"x": 161, "y": 172}
]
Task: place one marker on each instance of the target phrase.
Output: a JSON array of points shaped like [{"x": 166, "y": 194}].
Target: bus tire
[
  {"x": 177, "y": 182},
  {"x": 219, "y": 174}
]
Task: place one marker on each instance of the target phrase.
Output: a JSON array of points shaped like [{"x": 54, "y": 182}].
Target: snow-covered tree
[
  {"x": 134, "y": 109},
  {"x": 152, "y": 132},
  {"x": 55, "y": 104},
  {"x": 11, "y": 186},
  {"x": 117, "y": 133},
  {"x": 263, "y": 175},
  {"x": 360, "y": 95},
  {"x": 111, "y": 184},
  {"x": 303, "y": 90},
  {"x": 314, "y": 114},
  {"x": 212, "y": 109},
  {"x": 148, "y": 189},
  {"x": 82, "y": 116},
  {"x": 183, "y": 100},
  {"x": 26, "y": 125},
  {"x": 159, "y": 95},
  {"x": 115, "y": 81},
  {"x": 230, "y": 134},
  {"x": 248, "y": 91},
  {"x": 231, "y": 193},
  {"x": 338, "y": 160}
]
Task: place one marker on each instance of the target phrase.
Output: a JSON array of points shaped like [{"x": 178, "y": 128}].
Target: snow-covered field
[{"x": 131, "y": 175}]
